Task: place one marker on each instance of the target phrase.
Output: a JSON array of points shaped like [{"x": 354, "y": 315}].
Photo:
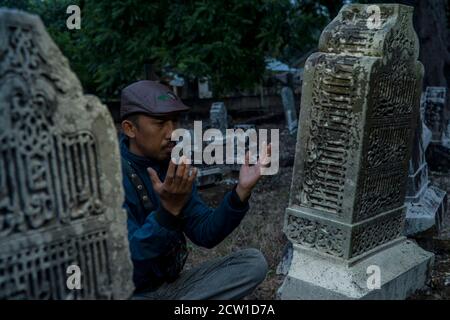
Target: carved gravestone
[
  {"x": 425, "y": 203},
  {"x": 346, "y": 213},
  {"x": 434, "y": 105},
  {"x": 418, "y": 169},
  {"x": 287, "y": 98},
  {"x": 60, "y": 178},
  {"x": 427, "y": 135},
  {"x": 218, "y": 116}
]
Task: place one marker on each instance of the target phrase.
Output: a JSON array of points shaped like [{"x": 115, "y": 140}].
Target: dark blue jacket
[{"x": 156, "y": 237}]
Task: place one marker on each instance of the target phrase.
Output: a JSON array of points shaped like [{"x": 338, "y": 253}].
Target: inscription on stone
[
  {"x": 60, "y": 179},
  {"x": 360, "y": 103}
]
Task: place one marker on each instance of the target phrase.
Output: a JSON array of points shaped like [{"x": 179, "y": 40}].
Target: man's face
[{"x": 150, "y": 136}]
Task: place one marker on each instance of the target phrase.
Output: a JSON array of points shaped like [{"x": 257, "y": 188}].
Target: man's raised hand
[
  {"x": 249, "y": 175},
  {"x": 174, "y": 192}
]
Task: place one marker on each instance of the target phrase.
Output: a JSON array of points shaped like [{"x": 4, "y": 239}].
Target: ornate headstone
[
  {"x": 204, "y": 90},
  {"x": 427, "y": 135},
  {"x": 346, "y": 214},
  {"x": 426, "y": 204},
  {"x": 287, "y": 97},
  {"x": 418, "y": 169},
  {"x": 60, "y": 178},
  {"x": 434, "y": 105},
  {"x": 218, "y": 116}
]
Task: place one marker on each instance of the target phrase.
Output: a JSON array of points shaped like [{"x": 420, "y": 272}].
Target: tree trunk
[{"x": 432, "y": 27}]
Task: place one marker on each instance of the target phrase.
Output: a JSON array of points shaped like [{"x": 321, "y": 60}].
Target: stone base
[
  {"x": 404, "y": 268},
  {"x": 428, "y": 213}
]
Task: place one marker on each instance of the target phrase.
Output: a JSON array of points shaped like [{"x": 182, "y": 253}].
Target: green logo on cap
[{"x": 167, "y": 96}]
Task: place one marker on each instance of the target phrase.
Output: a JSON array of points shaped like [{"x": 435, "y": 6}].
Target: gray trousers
[{"x": 231, "y": 277}]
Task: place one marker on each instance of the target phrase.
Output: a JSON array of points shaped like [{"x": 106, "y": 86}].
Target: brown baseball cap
[{"x": 150, "y": 97}]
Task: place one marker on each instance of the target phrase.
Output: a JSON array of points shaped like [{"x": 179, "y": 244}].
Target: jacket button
[
  {"x": 133, "y": 175},
  {"x": 139, "y": 187},
  {"x": 145, "y": 198}
]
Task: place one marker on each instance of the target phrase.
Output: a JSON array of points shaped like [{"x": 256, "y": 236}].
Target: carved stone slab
[
  {"x": 287, "y": 98},
  {"x": 434, "y": 105},
  {"x": 426, "y": 204},
  {"x": 60, "y": 178},
  {"x": 218, "y": 116},
  {"x": 360, "y": 103},
  {"x": 358, "y": 113},
  {"x": 418, "y": 168}
]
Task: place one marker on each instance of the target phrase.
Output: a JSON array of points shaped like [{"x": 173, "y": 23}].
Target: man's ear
[{"x": 129, "y": 129}]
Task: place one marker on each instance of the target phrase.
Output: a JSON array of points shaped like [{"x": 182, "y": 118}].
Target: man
[{"x": 163, "y": 206}]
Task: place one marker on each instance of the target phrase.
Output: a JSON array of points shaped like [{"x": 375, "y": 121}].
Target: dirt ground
[{"x": 262, "y": 227}]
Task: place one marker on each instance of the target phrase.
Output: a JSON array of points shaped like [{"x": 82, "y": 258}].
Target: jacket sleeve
[
  {"x": 152, "y": 237},
  {"x": 206, "y": 226}
]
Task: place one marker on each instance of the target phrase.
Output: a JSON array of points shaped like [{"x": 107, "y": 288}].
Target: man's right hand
[{"x": 176, "y": 189}]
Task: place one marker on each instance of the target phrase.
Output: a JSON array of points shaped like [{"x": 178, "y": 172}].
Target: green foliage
[
  {"x": 227, "y": 41},
  {"x": 305, "y": 22},
  {"x": 54, "y": 16},
  {"x": 16, "y": 4}
]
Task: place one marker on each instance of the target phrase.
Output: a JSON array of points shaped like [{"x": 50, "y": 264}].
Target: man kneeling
[{"x": 163, "y": 206}]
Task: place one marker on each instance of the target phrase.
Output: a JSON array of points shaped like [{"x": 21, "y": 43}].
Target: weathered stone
[
  {"x": 404, "y": 268},
  {"x": 446, "y": 137},
  {"x": 60, "y": 178},
  {"x": 418, "y": 169},
  {"x": 244, "y": 126},
  {"x": 285, "y": 263},
  {"x": 425, "y": 204},
  {"x": 204, "y": 90},
  {"x": 209, "y": 176},
  {"x": 434, "y": 105},
  {"x": 360, "y": 103},
  {"x": 426, "y": 212},
  {"x": 218, "y": 116},
  {"x": 287, "y": 97},
  {"x": 427, "y": 135}
]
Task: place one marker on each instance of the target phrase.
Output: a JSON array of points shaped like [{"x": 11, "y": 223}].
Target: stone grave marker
[
  {"x": 60, "y": 176},
  {"x": 360, "y": 102}
]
